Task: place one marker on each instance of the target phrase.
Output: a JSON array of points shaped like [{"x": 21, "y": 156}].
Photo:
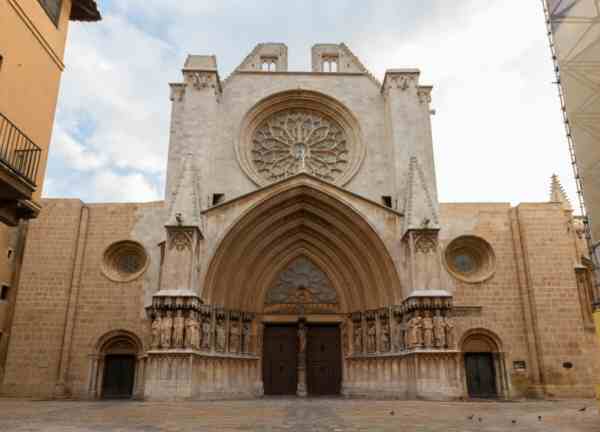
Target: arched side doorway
[
  {"x": 483, "y": 365},
  {"x": 116, "y": 370}
]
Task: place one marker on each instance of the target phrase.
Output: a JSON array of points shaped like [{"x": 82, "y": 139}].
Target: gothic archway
[
  {"x": 483, "y": 360},
  {"x": 304, "y": 219}
]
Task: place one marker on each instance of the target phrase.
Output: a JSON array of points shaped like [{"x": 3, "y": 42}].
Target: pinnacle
[{"x": 558, "y": 194}]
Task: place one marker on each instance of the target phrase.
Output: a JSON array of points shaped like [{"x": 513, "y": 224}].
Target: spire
[
  {"x": 420, "y": 209},
  {"x": 185, "y": 209},
  {"x": 558, "y": 194}
]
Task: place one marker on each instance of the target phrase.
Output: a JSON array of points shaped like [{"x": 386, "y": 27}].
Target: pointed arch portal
[{"x": 303, "y": 221}]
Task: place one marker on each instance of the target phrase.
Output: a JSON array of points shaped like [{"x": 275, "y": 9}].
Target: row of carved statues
[
  {"x": 213, "y": 331},
  {"x": 382, "y": 332}
]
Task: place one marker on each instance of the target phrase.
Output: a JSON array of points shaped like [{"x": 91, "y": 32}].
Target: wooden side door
[
  {"x": 280, "y": 360},
  {"x": 481, "y": 377},
  {"x": 119, "y": 372},
  {"x": 323, "y": 360}
]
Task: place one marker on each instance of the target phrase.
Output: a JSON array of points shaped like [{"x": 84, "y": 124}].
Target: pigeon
[
  {"x": 582, "y": 409},
  {"x": 539, "y": 418},
  {"x": 514, "y": 422},
  {"x": 471, "y": 416},
  {"x": 479, "y": 418},
  {"x": 392, "y": 413}
]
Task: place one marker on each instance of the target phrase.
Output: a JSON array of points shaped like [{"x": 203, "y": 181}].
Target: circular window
[
  {"x": 470, "y": 259},
  {"x": 124, "y": 261},
  {"x": 300, "y": 131}
]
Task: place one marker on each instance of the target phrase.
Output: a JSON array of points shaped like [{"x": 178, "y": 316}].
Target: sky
[{"x": 498, "y": 132}]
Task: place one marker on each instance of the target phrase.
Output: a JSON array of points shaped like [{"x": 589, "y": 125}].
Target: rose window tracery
[{"x": 296, "y": 140}]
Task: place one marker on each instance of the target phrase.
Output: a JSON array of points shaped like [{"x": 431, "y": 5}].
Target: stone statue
[
  {"x": 178, "y": 327},
  {"x": 205, "y": 334},
  {"x": 246, "y": 335},
  {"x": 414, "y": 332},
  {"x": 385, "y": 337},
  {"x": 234, "y": 336},
  {"x": 439, "y": 333},
  {"x": 220, "y": 335},
  {"x": 156, "y": 329},
  {"x": 301, "y": 338},
  {"x": 449, "y": 326},
  {"x": 345, "y": 347},
  {"x": 357, "y": 338},
  {"x": 166, "y": 328},
  {"x": 371, "y": 337},
  {"x": 192, "y": 332},
  {"x": 427, "y": 330}
]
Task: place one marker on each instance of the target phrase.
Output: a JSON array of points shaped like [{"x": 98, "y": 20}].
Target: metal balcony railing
[{"x": 17, "y": 152}]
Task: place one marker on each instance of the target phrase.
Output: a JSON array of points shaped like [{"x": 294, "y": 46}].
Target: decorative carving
[
  {"x": 427, "y": 330},
  {"x": 297, "y": 140},
  {"x": 384, "y": 331},
  {"x": 357, "y": 337},
  {"x": 415, "y": 336},
  {"x": 246, "y": 337},
  {"x": 302, "y": 283},
  {"x": 424, "y": 95},
  {"x": 205, "y": 333},
  {"x": 371, "y": 336},
  {"x": 344, "y": 335},
  {"x": 439, "y": 333},
  {"x": 449, "y": 326},
  {"x": 156, "y": 330},
  {"x": 178, "y": 328},
  {"x": 220, "y": 334},
  {"x": 426, "y": 242},
  {"x": 234, "y": 335},
  {"x": 202, "y": 80},
  {"x": 192, "y": 332},
  {"x": 301, "y": 338},
  {"x": 166, "y": 331},
  {"x": 180, "y": 239}
]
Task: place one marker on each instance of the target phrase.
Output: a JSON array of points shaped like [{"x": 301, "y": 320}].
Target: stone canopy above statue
[{"x": 302, "y": 282}]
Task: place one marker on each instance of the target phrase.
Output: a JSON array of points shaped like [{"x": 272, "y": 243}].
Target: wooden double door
[
  {"x": 323, "y": 360},
  {"x": 481, "y": 376},
  {"x": 119, "y": 373}
]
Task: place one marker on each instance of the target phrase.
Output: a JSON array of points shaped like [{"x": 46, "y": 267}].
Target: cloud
[
  {"x": 109, "y": 186},
  {"x": 497, "y": 133}
]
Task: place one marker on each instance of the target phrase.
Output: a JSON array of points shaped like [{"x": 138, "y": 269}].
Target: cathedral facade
[{"x": 301, "y": 250}]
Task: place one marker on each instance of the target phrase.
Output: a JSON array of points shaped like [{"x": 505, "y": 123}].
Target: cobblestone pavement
[{"x": 299, "y": 415}]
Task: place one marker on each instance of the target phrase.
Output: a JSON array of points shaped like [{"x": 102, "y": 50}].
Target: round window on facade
[
  {"x": 124, "y": 261},
  {"x": 470, "y": 259}
]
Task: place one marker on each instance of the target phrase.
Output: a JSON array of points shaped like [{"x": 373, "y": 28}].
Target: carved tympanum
[
  {"x": 302, "y": 282},
  {"x": 297, "y": 140}
]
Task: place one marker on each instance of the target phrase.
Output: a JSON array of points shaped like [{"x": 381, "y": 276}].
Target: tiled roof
[{"x": 85, "y": 10}]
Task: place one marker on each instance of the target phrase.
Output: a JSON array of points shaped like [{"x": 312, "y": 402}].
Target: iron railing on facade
[{"x": 17, "y": 152}]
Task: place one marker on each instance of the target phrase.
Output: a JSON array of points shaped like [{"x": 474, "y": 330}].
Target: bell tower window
[
  {"x": 268, "y": 64},
  {"x": 329, "y": 64}
]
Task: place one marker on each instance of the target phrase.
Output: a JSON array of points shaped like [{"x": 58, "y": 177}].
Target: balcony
[{"x": 19, "y": 163}]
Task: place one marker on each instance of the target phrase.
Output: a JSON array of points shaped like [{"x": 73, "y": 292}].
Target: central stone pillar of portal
[{"x": 301, "y": 390}]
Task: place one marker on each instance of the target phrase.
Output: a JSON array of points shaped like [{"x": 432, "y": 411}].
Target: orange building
[{"x": 33, "y": 35}]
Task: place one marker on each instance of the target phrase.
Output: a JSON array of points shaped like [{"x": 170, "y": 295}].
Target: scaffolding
[{"x": 571, "y": 144}]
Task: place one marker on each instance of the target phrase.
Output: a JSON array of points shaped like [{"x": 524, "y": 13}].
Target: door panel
[
  {"x": 323, "y": 360},
  {"x": 119, "y": 371},
  {"x": 280, "y": 360},
  {"x": 481, "y": 377}
]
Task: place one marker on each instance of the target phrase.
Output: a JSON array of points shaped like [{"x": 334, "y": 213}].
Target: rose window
[{"x": 297, "y": 140}]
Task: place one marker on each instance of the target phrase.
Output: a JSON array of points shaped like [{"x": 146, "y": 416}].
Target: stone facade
[{"x": 303, "y": 199}]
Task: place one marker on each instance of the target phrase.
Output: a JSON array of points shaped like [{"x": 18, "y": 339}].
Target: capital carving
[
  {"x": 180, "y": 239},
  {"x": 426, "y": 242}
]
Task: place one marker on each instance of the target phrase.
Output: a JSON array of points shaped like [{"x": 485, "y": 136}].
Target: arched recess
[
  {"x": 483, "y": 359},
  {"x": 116, "y": 344},
  {"x": 303, "y": 219}
]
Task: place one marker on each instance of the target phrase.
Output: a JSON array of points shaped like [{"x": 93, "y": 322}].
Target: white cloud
[
  {"x": 109, "y": 186},
  {"x": 497, "y": 135}
]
